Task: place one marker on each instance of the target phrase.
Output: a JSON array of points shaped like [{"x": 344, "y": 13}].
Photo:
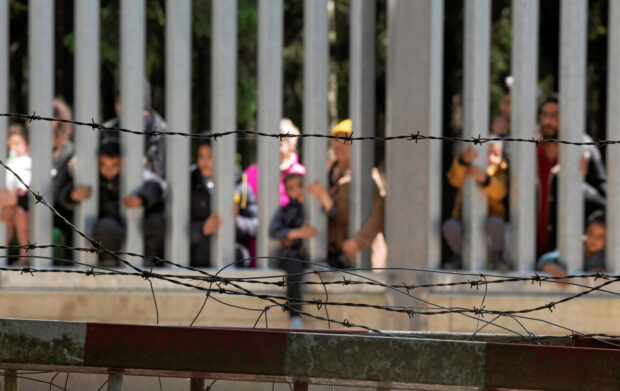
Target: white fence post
[
  {"x": 523, "y": 125},
  {"x": 87, "y": 28},
  {"x": 4, "y": 104},
  {"x": 115, "y": 381},
  {"x": 612, "y": 263},
  {"x": 315, "y": 115},
  {"x": 476, "y": 123},
  {"x": 573, "y": 47},
  {"x": 133, "y": 49},
  {"x": 224, "y": 118},
  {"x": 414, "y": 85},
  {"x": 178, "y": 115},
  {"x": 270, "y": 41},
  {"x": 362, "y": 109},
  {"x": 40, "y": 96},
  {"x": 413, "y": 196}
]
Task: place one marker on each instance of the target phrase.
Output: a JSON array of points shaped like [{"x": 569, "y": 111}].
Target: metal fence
[{"x": 414, "y": 96}]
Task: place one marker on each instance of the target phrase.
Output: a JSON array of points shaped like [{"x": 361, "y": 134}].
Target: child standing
[
  {"x": 15, "y": 215},
  {"x": 288, "y": 226}
]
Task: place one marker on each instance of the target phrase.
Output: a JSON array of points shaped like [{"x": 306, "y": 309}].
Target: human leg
[
  {"x": 111, "y": 233},
  {"x": 154, "y": 229},
  {"x": 495, "y": 230},
  {"x": 451, "y": 230}
]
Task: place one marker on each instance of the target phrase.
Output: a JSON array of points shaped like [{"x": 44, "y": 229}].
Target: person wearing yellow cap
[{"x": 342, "y": 249}]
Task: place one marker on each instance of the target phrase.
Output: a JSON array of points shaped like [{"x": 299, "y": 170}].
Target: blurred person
[
  {"x": 154, "y": 144},
  {"x": 109, "y": 229},
  {"x": 593, "y": 250},
  {"x": 494, "y": 181},
  {"x": 205, "y": 222},
  {"x": 15, "y": 201},
  {"x": 343, "y": 248},
  {"x": 62, "y": 154},
  {"x": 289, "y": 226},
  {"x": 591, "y": 166},
  {"x": 500, "y": 126},
  {"x": 289, "y": 164},
  {"x": 289, "y": 161}
]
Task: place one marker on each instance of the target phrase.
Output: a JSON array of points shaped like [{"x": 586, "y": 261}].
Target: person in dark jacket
[
  {"x": 205, "y": 222},
  {"x": 288, "y": 225},
  {"x": 154, "y": 145},
  {"x": 109, "y": 229}
]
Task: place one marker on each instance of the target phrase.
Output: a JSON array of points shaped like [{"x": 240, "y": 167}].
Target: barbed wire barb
[{"x": 214, "y": 135}]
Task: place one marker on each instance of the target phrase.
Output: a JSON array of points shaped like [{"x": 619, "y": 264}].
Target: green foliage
[
  {"x": 201, "y": 19},
  {"x": 247, "y": 98},
  {"x": 18, "y": 7},
  {"x": 501, "y": 43},
  {"x": 68, "y": 41}
]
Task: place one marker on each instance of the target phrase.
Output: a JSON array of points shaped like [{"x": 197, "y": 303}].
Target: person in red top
[
  {"x": 547, "y": 154},
  {"x": 592, "y": 168}
]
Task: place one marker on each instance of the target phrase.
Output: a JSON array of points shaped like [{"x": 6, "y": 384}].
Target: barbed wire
[
  {"x": 221, "y": 286},
  {"x": 27, "y": 375},
  {"x": 214, "y": 135},
  {"x": 205, "y": 276},
  {"x": 273, "y": 299},
  {"x": 283, "y": 302}
]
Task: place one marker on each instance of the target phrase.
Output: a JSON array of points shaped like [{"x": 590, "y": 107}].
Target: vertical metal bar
[
  {"x": 11, "y": 381},
  {"x": 612, "y": 263},
  {"x": 362, "y": 109},
  {"x": 435, "y": 126},
  {"x": 196, "y": 384},
  {"x": 86, "y": 109},
  {"x": 41, "y": 94},
  {"x": 133, "y": 38},
  {"x": 300, "y": 386},
  {"x": 476, "y": 123},
  {"x": 270, "y": 41},
  {"x": 315, "y": 115},
  {"x": 115, "y": 381},
  {"x": 224, "y": 117},
  {"x": 178, "y": 114},
  {"x": 416, "y": 43},
  {"x": 573, "y": 46},
  {"x": 523, "y": 125},
  {"x": 4, "y": 102}
]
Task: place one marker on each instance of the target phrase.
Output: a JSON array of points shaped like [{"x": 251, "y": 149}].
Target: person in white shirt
[{"x": 15, "y": 206}]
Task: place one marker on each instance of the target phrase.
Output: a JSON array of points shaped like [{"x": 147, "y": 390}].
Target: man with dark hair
[
  {"x": 592, "y": 168},
  {"x": 154, "y": 145},
  {"x": 109, "y": 229},
  {"x": 206, "y": 222}
]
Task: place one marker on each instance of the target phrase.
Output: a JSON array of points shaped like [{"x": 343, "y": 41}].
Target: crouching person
[
  {"x": 593, "y": 250},
  {"x": 494, "y": 181},
  {"x": 109, "y": 229}
]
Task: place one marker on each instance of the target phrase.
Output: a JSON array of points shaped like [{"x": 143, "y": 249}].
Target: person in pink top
[{"x": 289, "y": 162}]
